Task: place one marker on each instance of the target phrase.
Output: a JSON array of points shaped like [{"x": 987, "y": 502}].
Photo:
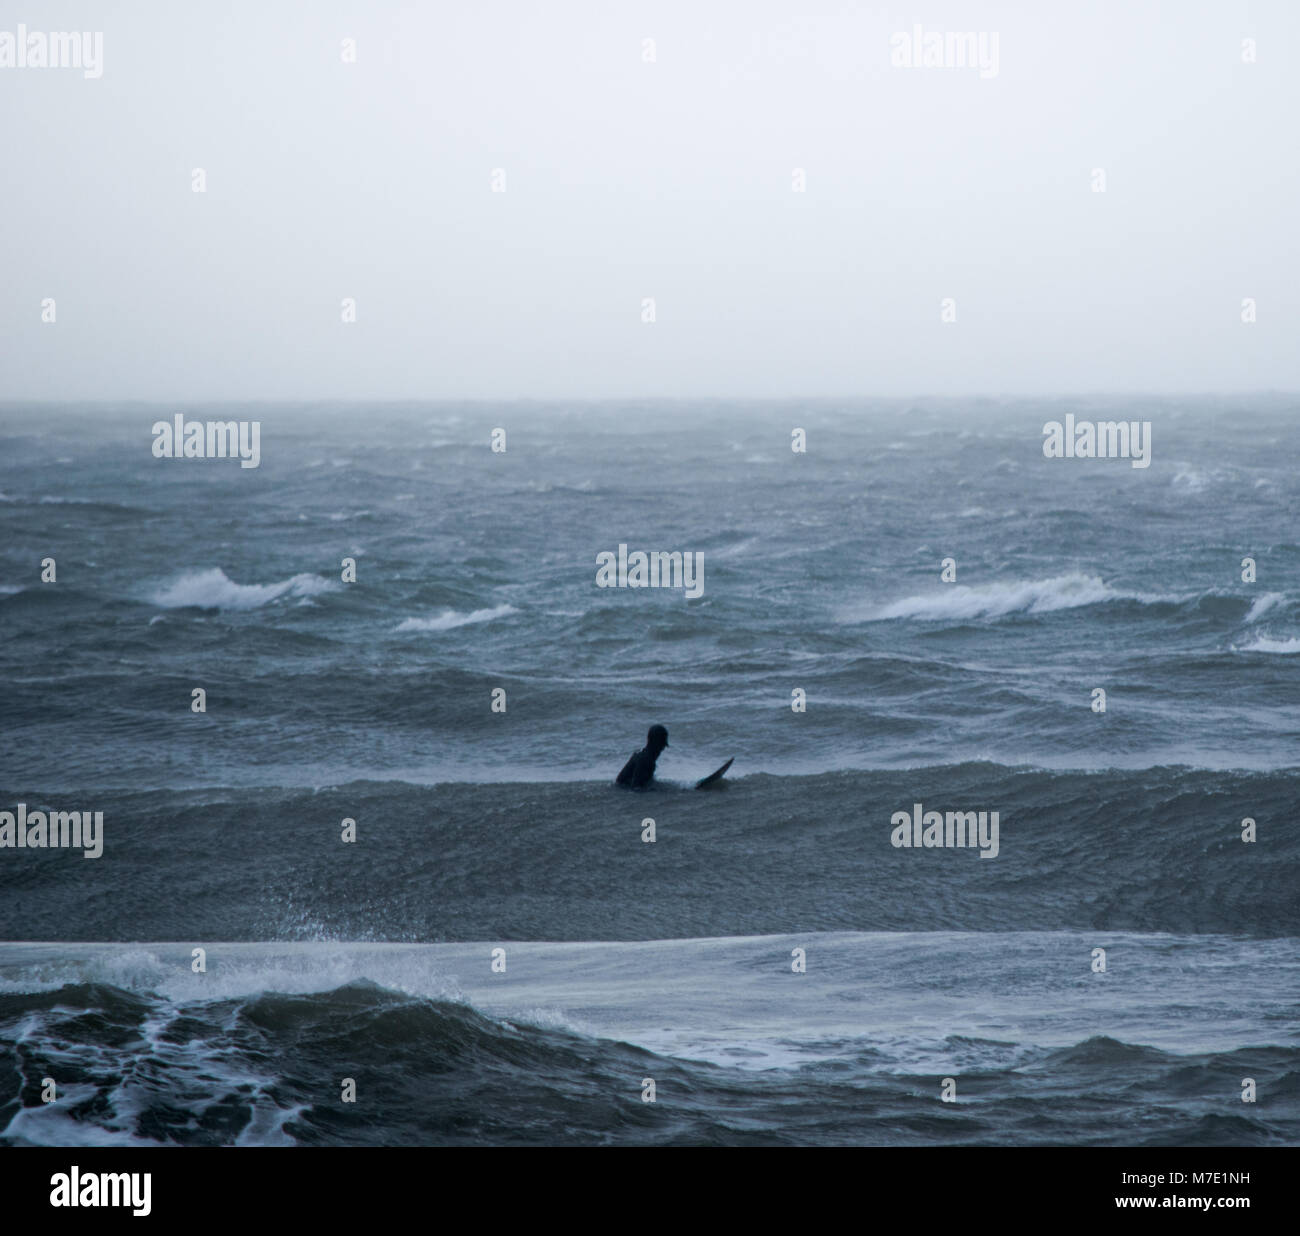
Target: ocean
[{"x": 501, "y": 954}]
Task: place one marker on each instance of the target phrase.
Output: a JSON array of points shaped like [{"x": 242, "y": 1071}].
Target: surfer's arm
[{"x": 629, "y": 770}]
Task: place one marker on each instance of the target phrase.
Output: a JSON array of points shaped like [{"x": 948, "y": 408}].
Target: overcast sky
[{"x": 671, "y": 178}]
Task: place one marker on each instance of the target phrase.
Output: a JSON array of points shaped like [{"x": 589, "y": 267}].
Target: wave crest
[
  {"x": 1263, "y": 643},
  {"x": 1263, "y": 604},
  {"x": 1035, "y": 596},
  {"x": 213, "y": 589},
  {"x": 450, "y": 618}
]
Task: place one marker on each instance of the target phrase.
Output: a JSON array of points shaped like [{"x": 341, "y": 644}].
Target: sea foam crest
[
  {"x": 1036, "y": 596},
  {"x": 450, "y": 618},
  {"x": 1264, "y": 643},
  {"x": 212, "y": 589},
  {"x": 1262, "y": 605}
]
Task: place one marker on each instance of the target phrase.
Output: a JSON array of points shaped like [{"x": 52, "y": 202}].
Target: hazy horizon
[
  {"x": 559, "y": 401},
  {"x": 500, "y": 191}
]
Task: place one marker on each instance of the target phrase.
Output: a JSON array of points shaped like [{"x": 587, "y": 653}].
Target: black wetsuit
[{"x": 639, "y": 771}]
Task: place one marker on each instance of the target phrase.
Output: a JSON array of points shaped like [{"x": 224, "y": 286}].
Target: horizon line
[{"x": 292, "y": 400}]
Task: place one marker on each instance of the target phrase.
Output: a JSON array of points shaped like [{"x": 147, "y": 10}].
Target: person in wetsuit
[{"x": 639, "y": 771}]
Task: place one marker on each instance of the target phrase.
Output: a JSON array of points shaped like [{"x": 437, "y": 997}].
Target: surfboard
[{"x": 714, "y": 776}]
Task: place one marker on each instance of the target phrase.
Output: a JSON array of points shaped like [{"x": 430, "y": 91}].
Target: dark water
[
  {"x": 1155, "y": 850},
  {"x": 476, "y": 829}
]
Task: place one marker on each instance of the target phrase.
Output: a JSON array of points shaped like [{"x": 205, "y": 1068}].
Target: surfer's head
[{"x": 657, "y": 739}]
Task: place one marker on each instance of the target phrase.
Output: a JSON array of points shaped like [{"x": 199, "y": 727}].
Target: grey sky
[{"x": 671, "y": 179}]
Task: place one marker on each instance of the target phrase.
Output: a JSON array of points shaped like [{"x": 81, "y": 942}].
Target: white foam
[
  {"x": 1263, "y": 643},
  {"x": 212, "y": 589},
  {"x": 450, "y": 618},
  {"x": 1263, "y": 605},
  {"x": 1192, "y": 479},
  {"x": 904, "y": 995},
  {"x": 1035, "y": 596},
  {"x": 237, "y": 972},
  {"x": 51, "y": 1125}
]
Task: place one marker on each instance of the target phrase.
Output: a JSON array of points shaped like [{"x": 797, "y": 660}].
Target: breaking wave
[
  {"x": 1263, "y": 643},
  {"x": 450, "y": 618},
  {"x": 213, "y": 589},
  {"x": 1038, "y": 596},
  {"x": 1263, "y": 604}
]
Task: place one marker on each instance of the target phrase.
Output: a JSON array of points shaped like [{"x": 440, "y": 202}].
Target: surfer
[{"x": 639, "y": 771}]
